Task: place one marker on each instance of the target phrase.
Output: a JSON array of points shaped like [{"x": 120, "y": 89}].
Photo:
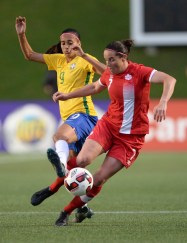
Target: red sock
[
  {"x": 57, "y": 184},
  {"x": 78, "y": 203},
  {"x": 72, "y": 163},
  {"x": 94, "y": 191},
  {"x": 75, "y": 203}
]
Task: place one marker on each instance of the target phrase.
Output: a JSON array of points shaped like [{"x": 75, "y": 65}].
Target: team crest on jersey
[
  {"x": 128, "y": 77},
  {"x": 72, "y": 66}
]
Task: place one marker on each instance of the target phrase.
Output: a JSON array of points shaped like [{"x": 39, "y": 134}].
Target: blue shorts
[{"x": 83, "y": 124}]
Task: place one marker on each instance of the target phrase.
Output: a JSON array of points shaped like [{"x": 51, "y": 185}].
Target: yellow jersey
[{"x": 70, "y": 77}]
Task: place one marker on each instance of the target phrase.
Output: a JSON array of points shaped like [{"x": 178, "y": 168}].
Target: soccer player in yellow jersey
[{"x": 75, "y": 69}]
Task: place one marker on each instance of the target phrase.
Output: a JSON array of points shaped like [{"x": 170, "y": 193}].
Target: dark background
[{"x": 165, "y": 15}]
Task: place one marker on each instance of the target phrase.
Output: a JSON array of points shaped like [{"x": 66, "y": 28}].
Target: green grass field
[{"x": 147, "y": 203}]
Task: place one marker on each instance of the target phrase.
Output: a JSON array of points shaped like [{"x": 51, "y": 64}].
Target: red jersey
[{"x": 129, "y": 93}]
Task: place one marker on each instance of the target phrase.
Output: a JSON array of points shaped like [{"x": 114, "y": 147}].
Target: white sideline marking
[{"x": 105, "y": 212}]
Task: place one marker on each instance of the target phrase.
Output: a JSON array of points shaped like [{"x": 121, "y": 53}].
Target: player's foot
[
  {"x": 82, "y": 214},
  {"x": 40, "y": 196},
  {"x": 55, "y": 161},
  {"x": 63, "y": 219}
]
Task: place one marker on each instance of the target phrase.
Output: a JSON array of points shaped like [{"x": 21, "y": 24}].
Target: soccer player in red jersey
[{"x": 121, "y": 131}]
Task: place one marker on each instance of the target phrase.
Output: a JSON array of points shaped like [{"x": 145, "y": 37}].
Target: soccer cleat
[
  {"x": 40, "y": 196},
  {"x": 82, "y": 214},
  {"x": 55, "y": 161},
  {"x": 63, "y": 219}
]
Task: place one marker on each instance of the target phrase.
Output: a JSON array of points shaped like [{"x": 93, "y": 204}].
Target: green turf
[{"x": 147, "y": 203}]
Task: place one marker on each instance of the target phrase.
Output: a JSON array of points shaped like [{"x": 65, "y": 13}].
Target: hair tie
[
  {"x": 70, "y": 33},
  {"x": 116, "y": 51}
]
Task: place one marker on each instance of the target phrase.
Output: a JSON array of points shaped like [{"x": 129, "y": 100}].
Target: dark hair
[
  {"x": 74, "y": 31},
  {"x": 54, "y": 49},
  {"x": 57, "y": 48},
  {"x": 120, "y": 46}
]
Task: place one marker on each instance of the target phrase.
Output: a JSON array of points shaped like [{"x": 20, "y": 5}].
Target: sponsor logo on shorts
[{"x": 75, "y": 116}]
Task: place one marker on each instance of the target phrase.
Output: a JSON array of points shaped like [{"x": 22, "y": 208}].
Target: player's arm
[
  {"x": 168, "y": 89},
  {"x": 99, "y": 67},
  {"x": 87, "y": 90},
  {"x": 28, "y": 53}
]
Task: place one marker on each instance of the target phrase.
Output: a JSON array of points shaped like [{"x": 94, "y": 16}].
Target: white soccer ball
[{"x": 78, "y": 181}]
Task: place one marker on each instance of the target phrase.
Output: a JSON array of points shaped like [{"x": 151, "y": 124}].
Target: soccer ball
[{"x": 78, "y": 181}]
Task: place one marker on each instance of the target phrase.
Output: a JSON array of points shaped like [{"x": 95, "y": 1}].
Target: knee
[
  {"x": 83, "y": 161},
  {"x": 57, "y": 136},
  {"x": 54, "y": 138}
]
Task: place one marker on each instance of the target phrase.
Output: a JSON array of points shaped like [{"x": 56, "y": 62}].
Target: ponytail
[
  {"x": 54, "y": 49},
  {"x": 120, "y": 47},
  {"x": 128, "y": 44}
]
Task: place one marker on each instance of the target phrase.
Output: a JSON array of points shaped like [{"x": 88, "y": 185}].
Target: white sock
[
  {"x": 62, "y": 150},
  {"x": 85, "y": 199}
]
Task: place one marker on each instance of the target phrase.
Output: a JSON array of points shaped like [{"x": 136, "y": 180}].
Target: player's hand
[
  {"x": 20, "y": 25},
  {"x": 59, "y": 96},
  {"x": 159, "y": 111},
  {"x": 79, "y": 51}
]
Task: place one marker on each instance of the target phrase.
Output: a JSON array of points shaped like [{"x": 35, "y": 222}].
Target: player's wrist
[
  {"x": 21, "y": 34},
  {"x": 163, "y": 101},
  {"x": 83, "y": 55}
]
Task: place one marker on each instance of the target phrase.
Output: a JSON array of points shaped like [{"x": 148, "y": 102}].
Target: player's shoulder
[
  {"x": 91, "y": 56},
  {"x": 135, "y": 65},
  {"x": 84, "y": 63},
  {"x": 141, "y": 71},
  {"x": 106, "y": 73},
  {"x": 55, "y": 56},
  {"x": 138, "y": 66}
]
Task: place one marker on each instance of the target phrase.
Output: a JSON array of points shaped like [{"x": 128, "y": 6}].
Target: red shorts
[{"x": 123, "y": 147}]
